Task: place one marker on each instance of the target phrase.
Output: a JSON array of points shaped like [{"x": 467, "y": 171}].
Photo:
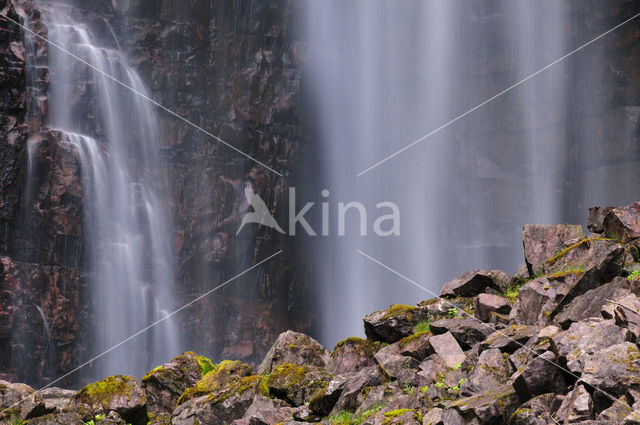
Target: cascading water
[
  {"x": 381, "y": 75},
  {"x": 125, "y": 195}
]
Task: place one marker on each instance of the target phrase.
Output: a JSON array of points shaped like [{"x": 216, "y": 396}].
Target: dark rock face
[{"x": 237, "y": 76}]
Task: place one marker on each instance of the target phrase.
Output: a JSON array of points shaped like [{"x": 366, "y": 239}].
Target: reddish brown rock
[
  {"x": 623, "y": 224},
  {"x": 542, "y": 242},
  {"x": 490, "y": 303},
  {"x": 473, "y": 282}
]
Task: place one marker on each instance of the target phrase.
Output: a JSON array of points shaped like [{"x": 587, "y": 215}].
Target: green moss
[
  {"x": 396, "y": 413},
  {"x": 422, "y": 327},
  {"x": 238, "y": 386},
  {"x": 369, "y": 347},
  {"x": 404, "y": 341},
  {"x": 512, "y": 291},
  {"x": 551, "y": 261},
  {"x": 634, "y": 275},
  {"x": 102, "y": 392},
  {"x": 221, "y": 376},
  {"x": 292, "y": 374},
  {"x": 205, "y": 364},
  {"x": 399, "y": 310}
]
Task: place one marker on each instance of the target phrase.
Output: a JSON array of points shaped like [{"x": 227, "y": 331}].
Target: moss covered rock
[
  {"x": 294, "y": 348},
  {"x": 226, "y": 374},
  {"x": 120, "y": 394},
  {"x": 351, "y": 355},
  {"x": 164, "y": 384},
  {"x": 21, "y": 402},
  {"x": 60, "y": 418},
  {"x": 395, "y": 323},
  {"x": 220, "y": 407},
  {"x": 297, "y": 384}
]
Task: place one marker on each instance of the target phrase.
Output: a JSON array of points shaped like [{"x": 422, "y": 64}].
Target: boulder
[
  {"x": 541, "y": 375},
  {"x": 368, "y": 377},
  {"x": 614, "y": 369},
  {"x": 398, "y": 366},
  {"x": 447, "y": 348},
  {"x": 468, "y": 331},
  {"x": 352, "y": 355},
  {"x": 491, "y": 407},
  {"x": 222, "y": 406},
  {"x": 623, "y": 224},
  {"x": 595, "y": 219},
  {"x": 510, "y": 338},
  {"x": 294, "y": 348},
  {"x": 616, "y": 413},
  {"x": 297, "y": 384},
  {"x": 60, "y": 418},
  {"x": 538, "y": 298},
  {"x": 21, "y": 402},
  {"x": 323, "y": 402},
  {"x": 577, "y": 406},
  {"x": 540, "y": 410},
  {"x": 395, "y": 323},
  {"x": 590, "y": 304},
  {"x": 120, "y": 394},
  {"x": 575, "y": 345},
  {"x": 223, "y": 375},
  {"x": 164, "y": 384},
  {"x": 624, "y": 308},
  {"x": 264, "y": 410},
  {"x": 490, "y": 303},
  {"x": 432, "y": 368},
  {"x": 473, "y": 282},
  {"x": 542, "y": 242},
  {"x": 56, "y": 398},
  {"x": 491, "y": 371}
]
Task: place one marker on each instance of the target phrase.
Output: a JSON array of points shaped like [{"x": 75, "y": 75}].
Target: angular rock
[
  {"x": 625, "y": 310},
  {"x": 352, "y": 355},
  {"x": 491, "y": 371},
  {"x": 397, "y": 366},
  {"x": 510, "y": 338},
  {"x": 61, "y": 418},
  {"x": 30, "y": 403},
  {"x": 323, "y": 402},
  {"x": 433, "y": 417},
  {"x": 489, "y": 303},
  {"x": 118, "y": 393},
  {"x": 223, "y": 375},
  {"x": 264, "y": 410},
  {"x": 575, "y": 345},
  {"x": 616, "y": 413},
  {"x": 294, "y": 348},
  {"x": 538, "y": 298},
  {"x": 614, "y": 369},
  {"x": 431, "y": 368},
  {"x": 395, "y": 323},
  {"x": 591, "y": 303},
  {"x": 540, "y": 376},
  {"x": 535, "y": 346},
  {"x": 623, "y": 224},
  {"x": 577, "y": 406},
  {"x": 473, "y": 282},
  {"x": 491, "y": 407},
  {"x": 364, "y": 378},
  {"x": 539, "y": 410},
  {"x": 595, "y": 219},
  {"x": 56, "y": 398},
  {"x": 416, "y": 346},
  {"x": 606, "y": 267},
  {"x": 222, "y": 406},
  {"x": 401, "y": 417},
  {"x": 447, "y": 348},
  {"x": 164, "y": 384},
  {"x": 468, "y": 332},
  {"x": 542, "y": 242},
  {"x": 297, "y": 384}
]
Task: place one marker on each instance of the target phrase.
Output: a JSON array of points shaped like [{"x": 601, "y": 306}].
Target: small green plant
[
  {"x": 439, "y": 384},
  {"x": 408, "y": 389},
  {"x": 348, "y": 418},
  {"x": 634, "y": 275},
  {"x": 425, "y": 389},
  {"x": 457, "y": 366},
  {"x": 342, "y": 418},
  {"x": 512, "y": 291},
  {"x": 452, "y": 313},
  {"x": 423, "y": 326}
]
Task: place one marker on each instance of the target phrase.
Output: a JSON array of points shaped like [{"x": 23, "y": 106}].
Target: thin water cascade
[{"x": 127, "y": 228}]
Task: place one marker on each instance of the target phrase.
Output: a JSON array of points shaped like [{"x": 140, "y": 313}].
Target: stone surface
[
  {"x": 542, "y": 242},
  {"x": 473, "y": 282},
  {"x": 294, "y": 348},
  {"x": 165, "y": 384},
  {"x": 448, "y": 349},
  {"x": 596, "y": 217},
  {"x": 491, "y": 371},
  {"x": 120, "y": 394},
  {"x": 228, "y": 372},
  {"x": 297, "y": 384},
  {"x": 490, "y": 303},
  {"x": 540, "y": 376},
  {"x": 21, "y": 401},
  {"x": 623, "y": 223},
  {"x": 467, "y": 331},
  {"x": 351, "y": 355},
  {"x": 614, "y": 369},
  {"x": 395, "y": 323},
  {"x": 494, "y": 406},
  {"x": 577, "y": 406}
]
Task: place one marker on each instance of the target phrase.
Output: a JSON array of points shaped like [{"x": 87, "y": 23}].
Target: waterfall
[
  {"x": 380, "y": 76},
  {"x": 126, "y": 201}
]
